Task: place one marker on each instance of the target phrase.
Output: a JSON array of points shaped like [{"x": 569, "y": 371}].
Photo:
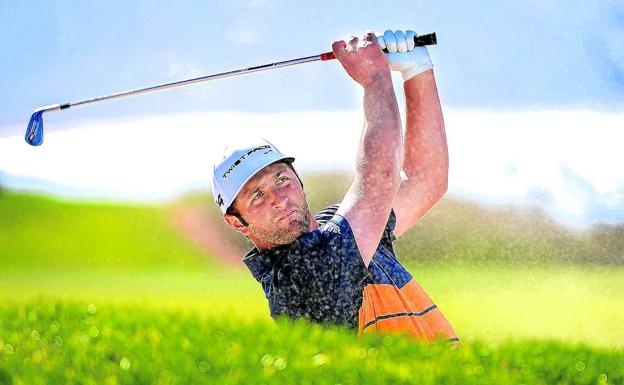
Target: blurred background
[{"x": 115, "y": 206}]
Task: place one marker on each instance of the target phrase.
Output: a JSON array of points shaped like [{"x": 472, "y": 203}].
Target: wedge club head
[{"x": 34, "y": 132}]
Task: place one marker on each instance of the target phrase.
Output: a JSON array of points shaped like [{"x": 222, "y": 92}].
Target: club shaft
[
  {"x": 180, "y": 83},
  {"x": 34, "y": 131},
  {"x": 422, "y": 40}
]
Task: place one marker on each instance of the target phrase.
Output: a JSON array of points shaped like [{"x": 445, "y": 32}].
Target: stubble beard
[{"x": 282, "y": 236}]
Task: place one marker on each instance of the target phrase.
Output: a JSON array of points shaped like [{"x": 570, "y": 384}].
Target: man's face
[{"x": 274, "y": 205}]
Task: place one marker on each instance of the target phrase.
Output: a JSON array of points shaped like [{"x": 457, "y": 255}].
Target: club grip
[
  {"x": 426, "y": 39},
  {"x": 419, "y": 41}
]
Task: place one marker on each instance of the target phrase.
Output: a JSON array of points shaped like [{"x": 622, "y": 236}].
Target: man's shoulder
[
  {"x": 325, "y": 214},
  {"x": 340, "y": 225}
]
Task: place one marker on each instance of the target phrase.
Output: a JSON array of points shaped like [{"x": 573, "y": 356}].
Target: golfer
[{"x": 339, "y": 266}]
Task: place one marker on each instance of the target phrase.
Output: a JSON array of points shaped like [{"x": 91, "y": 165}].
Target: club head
[{"x": 34, "y": 132}]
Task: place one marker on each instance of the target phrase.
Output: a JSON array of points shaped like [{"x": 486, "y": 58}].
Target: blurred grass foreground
[{"x": 110, "y": 293}]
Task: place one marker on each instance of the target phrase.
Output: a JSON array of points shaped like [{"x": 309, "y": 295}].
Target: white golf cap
[{"x": 239, "y": 164}]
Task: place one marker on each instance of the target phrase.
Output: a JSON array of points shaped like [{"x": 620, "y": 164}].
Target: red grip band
[{"x": 327, "y": 56}]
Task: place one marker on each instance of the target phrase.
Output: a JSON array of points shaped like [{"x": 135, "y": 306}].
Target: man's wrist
[
  {"x": 417, "y": 82},
  {"x": 381, "y": 80},
  {"x": 415, "y": 70}
]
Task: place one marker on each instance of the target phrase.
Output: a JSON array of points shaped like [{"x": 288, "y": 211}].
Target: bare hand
[{"x": 363, "y": 59}]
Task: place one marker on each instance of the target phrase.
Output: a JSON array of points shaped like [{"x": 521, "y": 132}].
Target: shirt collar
[{"x": 261, "y": 263}]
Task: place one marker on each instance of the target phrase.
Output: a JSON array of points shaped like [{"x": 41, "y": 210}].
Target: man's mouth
[{"x": 286, "y": 215}]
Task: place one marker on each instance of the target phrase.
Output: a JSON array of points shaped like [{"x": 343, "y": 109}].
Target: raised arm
[
  {"x": 368, "y": 201},
  {"x": 425, "y": 161},
  {"x": 425, "y": 154}
]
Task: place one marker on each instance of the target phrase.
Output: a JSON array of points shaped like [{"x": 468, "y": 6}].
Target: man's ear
[{"x": 236, "y": 224}]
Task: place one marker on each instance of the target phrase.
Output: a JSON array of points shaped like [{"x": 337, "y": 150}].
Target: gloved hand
[{"x": 402, "y": 55}]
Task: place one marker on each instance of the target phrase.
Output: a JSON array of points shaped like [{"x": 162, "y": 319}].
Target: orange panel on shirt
[{"x": 389, "y": 309}]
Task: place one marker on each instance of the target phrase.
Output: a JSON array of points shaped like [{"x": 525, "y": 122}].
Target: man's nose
[{"x": 279, "y": 198}]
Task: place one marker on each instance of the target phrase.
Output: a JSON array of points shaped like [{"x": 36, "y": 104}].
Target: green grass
[
  {"x": 79, "y": 343},
  {"x": 101, "y": 293},
  {"x": 568, "y": 303},
  {"x": 487, "y": 303},
  {"x": 39, "y": 233}
]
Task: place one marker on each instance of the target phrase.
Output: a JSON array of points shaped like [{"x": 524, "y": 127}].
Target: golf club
[{"x": 34, "y": 131}]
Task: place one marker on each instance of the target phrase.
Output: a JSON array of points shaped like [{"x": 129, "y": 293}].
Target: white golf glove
[{"x": 402, "y": 55}]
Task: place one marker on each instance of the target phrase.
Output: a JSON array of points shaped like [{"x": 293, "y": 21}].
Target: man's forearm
[
  {"x": 381, "y": 143},
  {"x": 425, "y": 156}
]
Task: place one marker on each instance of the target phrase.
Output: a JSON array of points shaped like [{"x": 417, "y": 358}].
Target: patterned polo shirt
[{"x": 321, "y": 276}]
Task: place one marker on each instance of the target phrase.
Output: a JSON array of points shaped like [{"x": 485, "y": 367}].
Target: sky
[{"x": 532, "y": 92}]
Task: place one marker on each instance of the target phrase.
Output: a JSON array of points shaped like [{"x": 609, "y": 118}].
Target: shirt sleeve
[
  {"x": 388, "y": 235},
  {"x": 327, "y": 274}
]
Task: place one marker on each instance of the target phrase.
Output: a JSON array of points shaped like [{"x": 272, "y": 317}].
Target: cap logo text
[{"x": 244, "y": 156}]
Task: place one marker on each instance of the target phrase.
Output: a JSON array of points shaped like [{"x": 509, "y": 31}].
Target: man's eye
[
  {"x": 256, "y": 196},
  {"x": 282, "y": 179}
]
